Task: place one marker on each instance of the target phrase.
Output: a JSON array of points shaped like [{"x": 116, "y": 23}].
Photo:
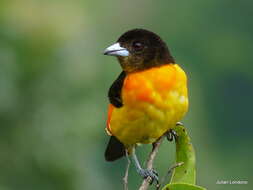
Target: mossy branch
[{"x": 184, "y": 176}]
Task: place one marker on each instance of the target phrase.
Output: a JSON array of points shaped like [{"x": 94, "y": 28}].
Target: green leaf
[
  {"x": 184, "y": 153},
  {"x": 182, "y": 186}
]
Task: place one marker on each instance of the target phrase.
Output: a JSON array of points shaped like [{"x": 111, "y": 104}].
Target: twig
[
  {"x": 170, "y": 170},
  {"x": 151, "y": 158},
  {"x": 125, "y": 178}
]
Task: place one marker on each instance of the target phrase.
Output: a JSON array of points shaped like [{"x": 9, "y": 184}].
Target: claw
[
  {"x": 145, "y": 173},
  {"x": 151, "y": 174},
  {"x": 171, "y": 134}
]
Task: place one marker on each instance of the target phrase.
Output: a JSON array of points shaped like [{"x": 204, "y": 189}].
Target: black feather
[
  {"x": 115, "y": 150},
  {"x": 114, "y": 93}
]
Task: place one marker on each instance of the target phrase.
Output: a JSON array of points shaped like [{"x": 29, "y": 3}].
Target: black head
[{"x": 140, "y": 49}]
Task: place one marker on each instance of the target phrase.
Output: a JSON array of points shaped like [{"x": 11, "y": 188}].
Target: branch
[
  {"x": 146, "y": 182},
  {"x": 125, "y": 178}
]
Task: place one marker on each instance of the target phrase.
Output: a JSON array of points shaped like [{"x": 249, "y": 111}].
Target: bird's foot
[
  {"x": 151, "y": 174},
  {"x": 171, "y": 134}
]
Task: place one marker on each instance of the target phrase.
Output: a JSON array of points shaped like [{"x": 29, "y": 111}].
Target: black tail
[{"x": 115, "y": 149}]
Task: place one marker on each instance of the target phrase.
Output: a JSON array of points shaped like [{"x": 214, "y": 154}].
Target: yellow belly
[{"x": 153, "y": 101}]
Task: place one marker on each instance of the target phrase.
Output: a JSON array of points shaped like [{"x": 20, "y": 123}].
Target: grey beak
[{"x": 116, "y": 50}]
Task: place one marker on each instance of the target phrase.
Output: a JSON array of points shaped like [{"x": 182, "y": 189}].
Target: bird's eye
[{"x": 137, "y": 46}]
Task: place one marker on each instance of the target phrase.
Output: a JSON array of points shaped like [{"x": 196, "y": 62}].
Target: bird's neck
[{"x": 130, "y": 67}]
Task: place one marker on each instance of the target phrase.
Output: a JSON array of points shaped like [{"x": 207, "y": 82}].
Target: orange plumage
[{"x": 154, "y": 100}]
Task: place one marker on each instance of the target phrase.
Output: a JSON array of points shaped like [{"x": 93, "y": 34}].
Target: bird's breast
[
  {"x": 157, "y": 87},
  {"x": 153, "y": 100}
]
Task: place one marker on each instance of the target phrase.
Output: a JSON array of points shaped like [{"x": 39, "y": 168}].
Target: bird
[{"x": 148, "y": 97}]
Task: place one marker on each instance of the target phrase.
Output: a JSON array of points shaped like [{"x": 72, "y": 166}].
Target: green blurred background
[{"x": 54, "y": 81}]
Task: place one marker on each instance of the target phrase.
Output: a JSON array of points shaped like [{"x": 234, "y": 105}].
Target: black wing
[
  {"x": 114, "y": 93},
  {"x": 115, "y": 149}
]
